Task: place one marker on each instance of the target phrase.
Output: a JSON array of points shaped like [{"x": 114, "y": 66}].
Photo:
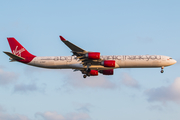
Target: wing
[
  {"x": 75, "y": 49},
  {"x": 86, "y": 57}
]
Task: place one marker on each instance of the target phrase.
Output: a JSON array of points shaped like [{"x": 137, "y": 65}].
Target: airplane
[{"x": 89, "y": 63}]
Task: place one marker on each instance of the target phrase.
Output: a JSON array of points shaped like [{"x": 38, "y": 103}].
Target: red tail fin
[{"x": 19, "y": 50}]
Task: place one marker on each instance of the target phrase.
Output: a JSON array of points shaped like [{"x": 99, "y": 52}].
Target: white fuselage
[{"x": 122, "y": 61}]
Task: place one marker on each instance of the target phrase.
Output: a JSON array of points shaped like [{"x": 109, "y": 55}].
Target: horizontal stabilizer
[{"x": 15, "y": 57}]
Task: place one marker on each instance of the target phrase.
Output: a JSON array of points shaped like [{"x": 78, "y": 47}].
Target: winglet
[{"x": 63, "y": 39}]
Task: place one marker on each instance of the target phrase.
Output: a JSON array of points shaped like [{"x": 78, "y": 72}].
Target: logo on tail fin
[{"x": 18, "y": 52}]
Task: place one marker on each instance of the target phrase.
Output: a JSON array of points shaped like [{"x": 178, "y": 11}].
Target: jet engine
[
  {"x": 107, "y": 72},
  {"x": 93, "y": 73},
  {"x": 108, "y": 63},
  {"x": 93, "y": 55}
]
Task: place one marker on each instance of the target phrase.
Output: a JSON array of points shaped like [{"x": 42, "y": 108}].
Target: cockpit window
[{"x": 170, "y": 58}]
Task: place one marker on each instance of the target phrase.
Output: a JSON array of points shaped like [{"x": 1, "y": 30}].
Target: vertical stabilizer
[{"x": 19, "y": 50}]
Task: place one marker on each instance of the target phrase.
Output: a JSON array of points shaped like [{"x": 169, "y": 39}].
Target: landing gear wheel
[
  {"x": 84, "y": 76},
  {"x": 162, "y": 69}
]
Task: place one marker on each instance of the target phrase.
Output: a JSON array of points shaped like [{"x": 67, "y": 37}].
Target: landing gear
[
  {"x": 87, "y": 73},
  {"x": 88, "y": 70},
  {"x": 84, "y": 76},
  {"x": 162, "y": 71}
]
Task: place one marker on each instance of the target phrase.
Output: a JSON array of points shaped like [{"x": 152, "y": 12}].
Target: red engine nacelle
[
  {"x": 108, "y": 63},
  {"x": 107, "y": 72},
  {"x": 93, "y": 73},
  {"x": 93, "y": 55}
]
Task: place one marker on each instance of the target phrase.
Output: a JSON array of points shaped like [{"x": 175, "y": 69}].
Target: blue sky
[{"x": 111, "y": 27}]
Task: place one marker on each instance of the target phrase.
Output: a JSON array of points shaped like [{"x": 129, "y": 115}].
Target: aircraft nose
[{"x": 174, "y": 61}]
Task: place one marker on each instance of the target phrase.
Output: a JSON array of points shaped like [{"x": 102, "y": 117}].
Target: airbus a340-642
[{"x": 89, "y": 63}]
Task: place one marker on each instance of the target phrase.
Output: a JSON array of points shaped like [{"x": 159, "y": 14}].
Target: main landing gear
[
  {"x": 84, "y": 76},
  {"x": 87, "y": 71},
  {"x": 162, "y": 71}
]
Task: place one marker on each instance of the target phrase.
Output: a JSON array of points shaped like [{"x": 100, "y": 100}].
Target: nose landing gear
[{"x": 162, "y": 71}]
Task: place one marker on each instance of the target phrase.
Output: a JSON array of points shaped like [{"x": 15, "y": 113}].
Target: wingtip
[{"x": 63, "y": 39}]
